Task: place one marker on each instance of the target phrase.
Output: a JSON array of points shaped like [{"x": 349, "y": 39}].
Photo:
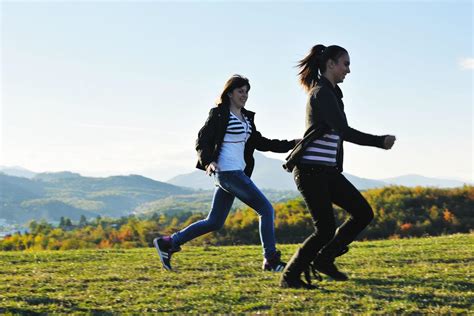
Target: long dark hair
[
  {"x": 313, "y": 66},
  {"x": 234, "y": 82}
]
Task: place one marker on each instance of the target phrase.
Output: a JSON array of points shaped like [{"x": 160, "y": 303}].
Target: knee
[
  {"x": 325, "y": 231},
  {"x": 213, "y": 225},
  {"x": 366, "y": 215},
  {"x": 370, "y": 215},
  {"x": 267, "y": 212}
]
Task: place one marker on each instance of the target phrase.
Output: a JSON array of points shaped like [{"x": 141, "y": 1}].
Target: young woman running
[
  {"x": 316, "y": 162},
  {"x": 225, "y": 147}
]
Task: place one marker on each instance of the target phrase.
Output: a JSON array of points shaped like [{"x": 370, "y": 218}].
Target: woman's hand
[
  {"x": 212, "y": 168},
  {"x": 388, "y": 141}
]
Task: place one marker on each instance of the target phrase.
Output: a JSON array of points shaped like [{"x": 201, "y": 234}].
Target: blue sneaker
[
  {"x": 274, "y": 263},
  {"x": 165, "y": 249}
]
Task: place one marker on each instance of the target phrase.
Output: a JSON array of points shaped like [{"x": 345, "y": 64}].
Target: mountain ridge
[
  {"x": 50, "y": 195},
  {"x": 198, "y": 180},
  {"x": 268, "y": 173}
]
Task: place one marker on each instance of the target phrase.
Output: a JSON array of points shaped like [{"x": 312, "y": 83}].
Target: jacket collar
[
  {"x": 226, "y": 110},
  {"x": 325, "y": 82},
  {"x": 248, "y": 113}
]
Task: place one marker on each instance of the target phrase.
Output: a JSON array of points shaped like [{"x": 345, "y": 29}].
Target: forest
[{"x": 400, "y": 212}]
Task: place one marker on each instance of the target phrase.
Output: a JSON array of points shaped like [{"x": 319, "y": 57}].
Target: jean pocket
[
  {"x": 230, "y": 180},
  {"x": 299, "y": 173},
  {"x": 297, "y": 177},
  {"x": 304, "y": 177},
  {"x": 298, "y": 182},
  {"x": 222, "y": 179}
]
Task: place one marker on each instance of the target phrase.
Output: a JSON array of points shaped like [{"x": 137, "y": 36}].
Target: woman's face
[
  {"x": 239, "y": 96},
  {"x": 340, "y": 69}
]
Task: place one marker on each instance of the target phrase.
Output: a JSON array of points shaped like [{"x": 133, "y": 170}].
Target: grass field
[{"x": 426, "y": 275}]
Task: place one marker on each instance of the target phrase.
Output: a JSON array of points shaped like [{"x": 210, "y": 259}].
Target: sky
[{"x": 120, "y": 87}]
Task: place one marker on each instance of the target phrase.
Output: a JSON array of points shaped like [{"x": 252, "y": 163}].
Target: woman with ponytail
[{"x": 316, "y": 162}]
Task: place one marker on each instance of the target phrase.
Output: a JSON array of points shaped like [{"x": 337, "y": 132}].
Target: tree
[
  {"x": 82, "y": 221},
  {"x": 65, "y": 223},
  {"x": 62, "y": 222}
]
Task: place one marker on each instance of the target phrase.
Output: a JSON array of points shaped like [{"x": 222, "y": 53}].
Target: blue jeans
[{"x": 231, "y": 184}]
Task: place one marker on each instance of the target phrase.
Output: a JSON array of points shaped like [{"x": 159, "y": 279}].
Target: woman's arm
[
  {"x": 275, "y": 145},
  {"x": 325, "y": 104},
  {"x": 357, "y": 137}
]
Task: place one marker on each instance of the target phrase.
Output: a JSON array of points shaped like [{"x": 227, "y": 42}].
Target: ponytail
[{"x": 313, "y": 66}]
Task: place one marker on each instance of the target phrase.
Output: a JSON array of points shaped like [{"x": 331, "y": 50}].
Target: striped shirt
[
  {"x": 237, "y": 131},
  {"x": 323, "y": 151},
  {"x": 231, "y": 156}
]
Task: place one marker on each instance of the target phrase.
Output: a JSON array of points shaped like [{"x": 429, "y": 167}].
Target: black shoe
[
  {"x": 289, "y": 282},
  {"x": 165, "y": 249},
  {"x": 274, "y": 263},
  {"x": 327, "y": 266},
  {"x": 311, "y": 270},
  {"x": 342, "y": 251}
]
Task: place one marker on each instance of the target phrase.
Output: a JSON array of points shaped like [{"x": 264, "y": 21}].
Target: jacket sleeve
[
  {"x": 275, "y": 145},
  {"x": 357, "y": 137},
  {"x": 326, "y": 104},
  {"x": 206, "y": 139}
]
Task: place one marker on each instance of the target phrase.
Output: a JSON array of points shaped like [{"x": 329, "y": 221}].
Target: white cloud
[{"x": 467, "y": 63}]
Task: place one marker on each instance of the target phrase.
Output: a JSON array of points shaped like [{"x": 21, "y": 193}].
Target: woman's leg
[
  {"x": 312, "y": 182},
  {"x": 167, "y": 245},
  {"x": 314, "y": 187},
  {"x": 221, "y": 204},
  {"x": 239, "y": 184},
  {"x": 346, "y": 196}
]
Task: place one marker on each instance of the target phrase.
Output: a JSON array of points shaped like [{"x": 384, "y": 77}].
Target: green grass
[{"x": 426, "y": 275}]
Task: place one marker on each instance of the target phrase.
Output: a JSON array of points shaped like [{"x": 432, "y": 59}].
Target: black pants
[{"x": 321, "y": 186}]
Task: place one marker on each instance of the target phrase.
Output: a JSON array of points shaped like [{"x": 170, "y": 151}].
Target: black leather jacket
[
  {"x": 211, "y": 136},
  {"x": 325, "y": 111}
]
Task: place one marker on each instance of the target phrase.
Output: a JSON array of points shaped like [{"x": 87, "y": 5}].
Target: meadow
[{"x": 418, "y": 275}]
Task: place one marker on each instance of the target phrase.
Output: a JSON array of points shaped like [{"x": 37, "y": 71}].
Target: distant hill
[
  {"x": 269, "y": 174},
  {"x": 200, "y": 202},
  {"x": 52, "y": 195},
  {"x": 56, "y": 176},
  {"x": 51, "y": 210},
  {"x": 17, "y": 172},
  {"x": 417, "y": 180},
  {"x": 18, "y": 189}
]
